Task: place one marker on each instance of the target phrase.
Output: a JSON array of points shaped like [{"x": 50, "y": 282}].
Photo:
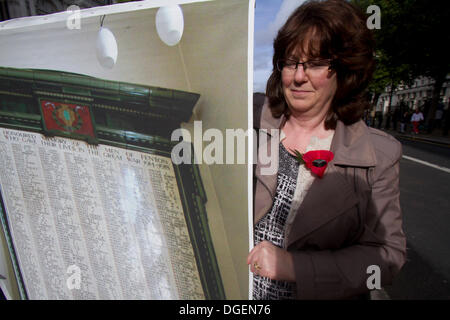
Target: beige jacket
[{"x": 349, "y": 220}]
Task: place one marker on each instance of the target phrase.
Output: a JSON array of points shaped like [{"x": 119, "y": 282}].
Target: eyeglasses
[{"x": 311, "y": 67}]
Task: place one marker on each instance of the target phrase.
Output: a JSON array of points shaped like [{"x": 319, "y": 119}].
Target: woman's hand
[{"x": 268, "y": 260}]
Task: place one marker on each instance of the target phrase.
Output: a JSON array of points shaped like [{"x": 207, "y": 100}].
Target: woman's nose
[{"x": 299, "y": 74}]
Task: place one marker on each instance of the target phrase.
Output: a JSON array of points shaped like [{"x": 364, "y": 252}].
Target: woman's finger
[
  {"x": 252, "y": 253},
  {"x": 253, "y": 269},
  {"x": 254, "y": 258}
]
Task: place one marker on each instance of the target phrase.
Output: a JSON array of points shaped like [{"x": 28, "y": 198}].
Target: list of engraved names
[{"x": 115, "y": 215}]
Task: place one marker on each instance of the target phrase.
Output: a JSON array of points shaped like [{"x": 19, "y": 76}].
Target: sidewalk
[{"x": 436, "y": 137}]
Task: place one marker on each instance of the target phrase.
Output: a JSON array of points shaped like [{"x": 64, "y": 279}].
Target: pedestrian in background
[
  {"x": 438, "y": 116},
  {"x": 372, "y": 118},
  {"x": 403, "y": 119},
  {"x": 380, "y": 119},
  {"x": 415, "y": 120},
  {"x": 387, "y": 126},
  {"x": 395, "y": 117}
]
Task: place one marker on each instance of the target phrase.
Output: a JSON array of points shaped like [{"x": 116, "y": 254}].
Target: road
[{"x": 425, "y": 201}]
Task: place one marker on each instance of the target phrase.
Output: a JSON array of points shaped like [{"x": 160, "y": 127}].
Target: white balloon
[
  {"x": 106, "y": 48},
  {"x": 170, "y": 24}
]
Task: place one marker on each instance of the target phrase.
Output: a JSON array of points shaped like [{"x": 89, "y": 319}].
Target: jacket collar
[
  {"x": 268, "y": 121},
  {"x": 351, "y": 144}
]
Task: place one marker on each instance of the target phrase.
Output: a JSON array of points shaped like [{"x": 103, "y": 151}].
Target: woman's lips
[{"x": 300, "y": 93}]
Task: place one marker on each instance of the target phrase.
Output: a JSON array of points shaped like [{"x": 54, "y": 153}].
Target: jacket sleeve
[{"x": 344, "y": 273}]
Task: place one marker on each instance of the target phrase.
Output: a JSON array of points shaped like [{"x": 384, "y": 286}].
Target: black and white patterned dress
[{"x": 272, "y": 227}]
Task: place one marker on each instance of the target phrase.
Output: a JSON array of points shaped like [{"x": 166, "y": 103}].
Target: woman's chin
[{"x": 300, "y": 106}]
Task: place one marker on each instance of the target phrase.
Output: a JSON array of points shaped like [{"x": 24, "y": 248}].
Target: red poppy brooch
[{"x": 316, "y": 160}]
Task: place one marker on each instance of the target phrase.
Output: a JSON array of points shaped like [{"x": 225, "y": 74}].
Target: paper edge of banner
[
  {"x": 251, "y": 26},
  {"x": 32, "y": 21}
]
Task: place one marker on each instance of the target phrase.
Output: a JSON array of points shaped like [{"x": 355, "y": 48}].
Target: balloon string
[
  {"x": 183, "y": 64},
  {"x": 102, "y": 19}
]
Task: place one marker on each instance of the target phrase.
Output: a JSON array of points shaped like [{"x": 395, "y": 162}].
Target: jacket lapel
[
  {"x": 326, "y": 199},
  {"x": 270, "y": 147},
  {"x": 265, "y": 189},
  {"x": 333, "y": 195}
]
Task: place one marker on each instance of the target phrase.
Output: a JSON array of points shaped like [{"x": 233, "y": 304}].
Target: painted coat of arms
[{"x": 66, "y": 119}]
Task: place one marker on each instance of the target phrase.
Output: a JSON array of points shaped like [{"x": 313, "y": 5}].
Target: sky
[{"x": 270, "y": 15}]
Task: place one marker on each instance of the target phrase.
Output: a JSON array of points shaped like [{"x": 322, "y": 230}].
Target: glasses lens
[
  {"x": 290, "y": 64},
  {"x": 317, "y": 64},
  {"x": 286, "y": 64}
]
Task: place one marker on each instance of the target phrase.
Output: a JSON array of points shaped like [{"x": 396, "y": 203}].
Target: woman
[
  {"x": 415, "y": 120},
  {"x": 334, "y": 234}
]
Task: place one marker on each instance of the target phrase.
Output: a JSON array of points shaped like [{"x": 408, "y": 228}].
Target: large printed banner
[{"x": 87, "y": 184}]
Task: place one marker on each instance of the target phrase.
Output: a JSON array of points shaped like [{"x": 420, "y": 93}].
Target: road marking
[{"x": 427, "y": 164}]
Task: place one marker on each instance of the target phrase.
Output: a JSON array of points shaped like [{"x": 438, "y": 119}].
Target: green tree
[{"x": 412, "y": 41}]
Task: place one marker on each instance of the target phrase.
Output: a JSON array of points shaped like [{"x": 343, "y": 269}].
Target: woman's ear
[{"x": 331, "y": 72}]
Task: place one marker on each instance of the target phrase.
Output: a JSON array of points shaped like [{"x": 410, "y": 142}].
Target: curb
[{"x": 424, "y": 139}]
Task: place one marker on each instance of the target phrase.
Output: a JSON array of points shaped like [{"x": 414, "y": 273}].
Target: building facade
[{"x": 414, "y": 96}]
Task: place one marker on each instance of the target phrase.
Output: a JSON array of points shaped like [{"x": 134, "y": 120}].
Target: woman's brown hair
[{"x": 332, "y": 29}]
